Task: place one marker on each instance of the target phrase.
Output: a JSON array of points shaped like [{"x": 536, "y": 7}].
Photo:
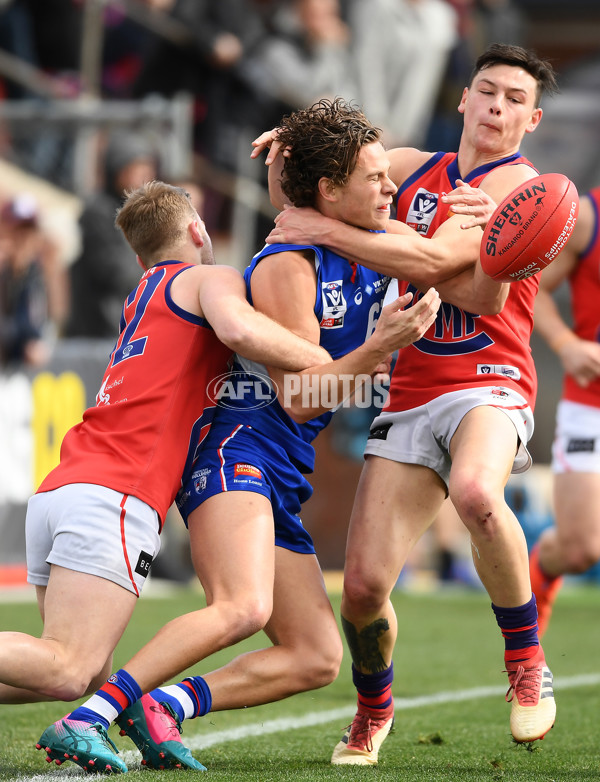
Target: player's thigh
[
  {"x": 577, "y": 508},
  {"x": 85, "y": 615},
  {"x": 302, "y": 614},
  {"x": 232, "y": 544},
  {"x": 394, "y": 504},
  {"x": 483, "y": 449}
]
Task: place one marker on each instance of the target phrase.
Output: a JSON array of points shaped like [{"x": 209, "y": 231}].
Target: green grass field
[{"x": 451, "y": 717}]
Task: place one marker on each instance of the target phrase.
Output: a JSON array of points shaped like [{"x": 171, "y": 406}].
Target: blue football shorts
[{"x": 239, "y": 458}]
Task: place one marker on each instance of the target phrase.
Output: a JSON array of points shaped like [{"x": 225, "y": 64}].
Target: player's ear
[
  {"x": 535, "y": 120},
  {"x": 196, "y": 233},
  {"x": 461, "y": 105},
  {"x": 327, "y": 189}
]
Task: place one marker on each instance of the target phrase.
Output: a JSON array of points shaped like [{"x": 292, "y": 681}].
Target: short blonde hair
[{"x": 154, "y": 219}]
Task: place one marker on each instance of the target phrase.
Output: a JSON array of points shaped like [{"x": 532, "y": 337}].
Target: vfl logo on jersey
[
  {"x": 422, "y": 210},
  {"x": 334, "y": 305},
  {"x": 454, "y": 332},
  {"x": 499, "y": 369}
]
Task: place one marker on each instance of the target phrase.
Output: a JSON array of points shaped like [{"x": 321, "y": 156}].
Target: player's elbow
[
  {"x": 239, "y": 336},
  {"x": 494, "y": 303},
  {"x": 300, "y": 413},
  {"x": 490, "y": 308}
]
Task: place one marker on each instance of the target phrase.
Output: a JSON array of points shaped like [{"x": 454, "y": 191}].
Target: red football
[{"x": 529, "y": 228}]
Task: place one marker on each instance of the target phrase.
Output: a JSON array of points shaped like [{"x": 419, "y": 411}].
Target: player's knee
[
  {"x": 321, "y": 664},
  {"x": 478, "y": 505},
  {"x": 246, "y": 617},
  {"x": 364, "y": 594},
  {"x": 70, "y": 684},
  {"x": 580, "y": 557}
]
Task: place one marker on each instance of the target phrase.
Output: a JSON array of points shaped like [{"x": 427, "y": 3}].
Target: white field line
[
  {"x": 344, "y": 713},
  {"x": 347, "y": 712}
]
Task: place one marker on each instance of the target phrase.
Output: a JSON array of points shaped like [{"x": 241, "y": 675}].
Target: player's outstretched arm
[{"x": 222, "y": 297}]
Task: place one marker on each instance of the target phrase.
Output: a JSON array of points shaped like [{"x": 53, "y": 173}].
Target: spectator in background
[
  {"x": 193, "y": 189},
  {"x": 307, "y": 57},
  {"x": 400, "y": 52},
  {"x": 210, "y": 66},
  {"x": 106, "y": 272},
  {"x": 33, "y": 300}
]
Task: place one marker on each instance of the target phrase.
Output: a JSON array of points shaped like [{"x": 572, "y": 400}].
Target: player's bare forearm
[
  {"x": 399, "y": 253},
  {"x": 336, "y": 380}
]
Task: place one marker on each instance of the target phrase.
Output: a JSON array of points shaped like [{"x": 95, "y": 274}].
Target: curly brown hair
[{"x": 325, "y": 141}]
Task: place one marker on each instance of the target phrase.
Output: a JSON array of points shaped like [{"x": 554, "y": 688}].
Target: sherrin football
[{"x": 529, "y": 228}]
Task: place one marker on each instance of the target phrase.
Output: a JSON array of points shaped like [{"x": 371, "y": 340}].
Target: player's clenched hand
[
  {"x": 581, "y": 359},
  {"x": 467, "y": 200},
  {"x": 398, "y": 327}
]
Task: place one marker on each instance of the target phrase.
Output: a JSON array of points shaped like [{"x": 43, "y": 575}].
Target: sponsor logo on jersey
[
  {"x": 247, "y": 471},
  {"x": 102, "y": 398},
  {"x": 143, "y": 564},
  {"x": 499, "y": 369},
  {"x": 581, "y": 445},
  {"x": 422, "y": 210},
  {"x": 499, "y": 392},
  {"x": 454, "y": 333},
  {"x": 334, "y": 305}
]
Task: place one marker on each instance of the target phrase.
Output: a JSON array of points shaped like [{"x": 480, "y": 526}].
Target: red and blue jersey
[
  {"x": 152, "y": 403},
  {"x": 461, "y": 349},
  {"x": 584, "y": 284}
]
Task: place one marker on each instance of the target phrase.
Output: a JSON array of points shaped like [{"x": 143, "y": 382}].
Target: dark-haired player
[{"x": 460, "y": 409}]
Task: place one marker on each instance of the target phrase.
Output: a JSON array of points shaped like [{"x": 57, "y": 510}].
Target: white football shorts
[
  {"x": 576, "y": 446},
  {"x": 91, "y": 529},
  {"x": 422, "y": 435}
]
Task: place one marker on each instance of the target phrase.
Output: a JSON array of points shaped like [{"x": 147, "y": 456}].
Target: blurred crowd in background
[{"x": 240, "y": 65}]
